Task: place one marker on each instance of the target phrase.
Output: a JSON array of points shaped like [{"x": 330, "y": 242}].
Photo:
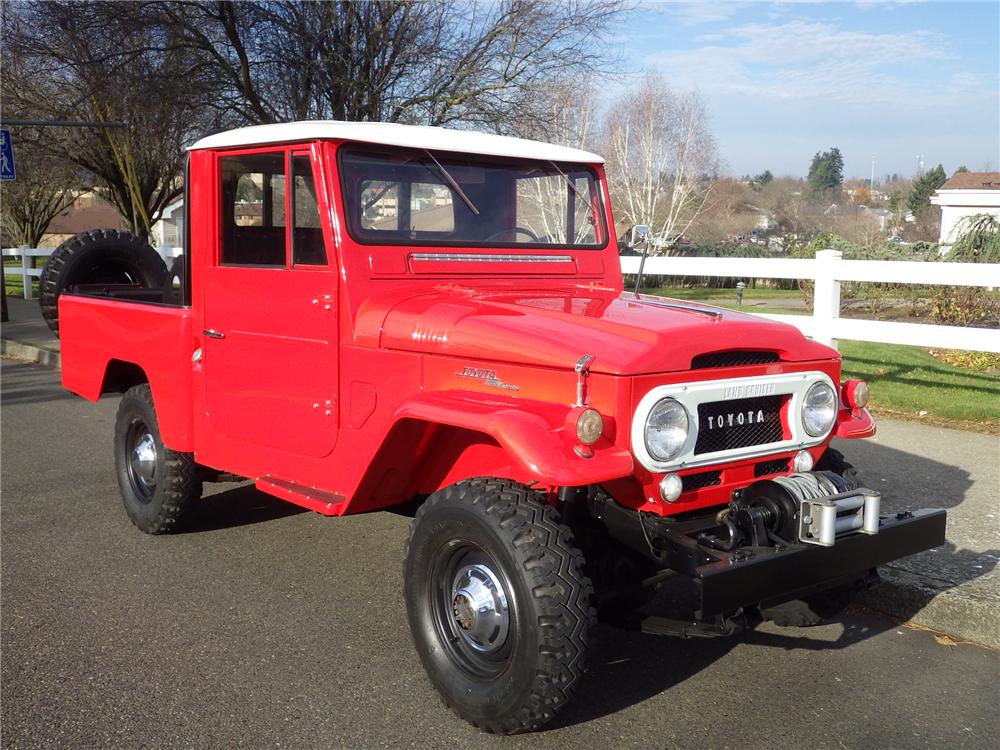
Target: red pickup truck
[{"x": 372, "y": 315}]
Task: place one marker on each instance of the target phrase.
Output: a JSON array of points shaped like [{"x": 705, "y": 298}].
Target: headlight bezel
[
  {"x": 832, "y": 404},
  {"x": 679, "y": 444}
]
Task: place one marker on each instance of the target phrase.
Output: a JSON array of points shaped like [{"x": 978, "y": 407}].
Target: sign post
[{"x": 7, "y": 171}]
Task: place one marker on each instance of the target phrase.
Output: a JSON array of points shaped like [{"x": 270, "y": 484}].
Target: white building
[
  {"x": 966, "y": 194},
  {"x": 168, "y": 230}
]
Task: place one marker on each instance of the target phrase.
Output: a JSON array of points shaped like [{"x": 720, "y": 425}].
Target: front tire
[
  {"x": 499, "y": 607},
  {"x": 159, "y": 486}
]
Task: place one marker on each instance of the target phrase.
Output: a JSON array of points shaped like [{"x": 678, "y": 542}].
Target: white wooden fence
[
  {"x": 828, "y": 270},
  {"x": 27, "y": 255}
]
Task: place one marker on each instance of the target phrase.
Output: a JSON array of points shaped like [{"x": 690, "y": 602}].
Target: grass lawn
[
  {"x": 13, "y": 283},
  {"x": 909, "y": 383},
  {"x": 706, "y": 294}
]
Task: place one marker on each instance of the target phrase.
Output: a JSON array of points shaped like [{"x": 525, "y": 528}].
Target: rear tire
[
  {"x": 101, "y": 256},
  {"x": 159, "y": 486},
  {"x": 498, "y": 604}
]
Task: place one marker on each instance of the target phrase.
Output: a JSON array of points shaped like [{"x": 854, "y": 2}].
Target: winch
[{"x": 812, "y": 507}]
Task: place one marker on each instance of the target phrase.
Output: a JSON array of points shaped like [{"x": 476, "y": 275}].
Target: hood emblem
[{"x": 487, "y": 376}]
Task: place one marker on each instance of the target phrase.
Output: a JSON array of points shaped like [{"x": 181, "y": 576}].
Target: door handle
[{"x": 213, "y": 334}]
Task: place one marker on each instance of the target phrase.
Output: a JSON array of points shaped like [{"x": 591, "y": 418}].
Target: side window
[
  {"x": 307, "y": 235},
  {"x": 252, "y": 189},
  {"x": 431, "y": 209}
]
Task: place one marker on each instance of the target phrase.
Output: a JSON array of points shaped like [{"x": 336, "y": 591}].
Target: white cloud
[
  {"x": 697, "y": 12},
  {"x": 800, "y": 59}
]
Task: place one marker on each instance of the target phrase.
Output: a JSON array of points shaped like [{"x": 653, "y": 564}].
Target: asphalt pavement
[{"x": 267, "y": 626}]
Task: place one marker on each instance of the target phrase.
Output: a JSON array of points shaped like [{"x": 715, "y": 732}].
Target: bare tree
[
  {"x": 103, "y": 62},
  {"x": 663, "y": 159},
  {"x": 450, "y": 61}
]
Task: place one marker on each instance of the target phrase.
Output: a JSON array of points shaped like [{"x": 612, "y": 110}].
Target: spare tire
[{"x": 100, "y": 256}]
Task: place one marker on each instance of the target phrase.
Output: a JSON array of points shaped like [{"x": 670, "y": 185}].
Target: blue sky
[{"x": 785, "y": 80}]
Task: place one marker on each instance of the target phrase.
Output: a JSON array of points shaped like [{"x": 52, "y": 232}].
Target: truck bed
[{"x": 100, "y": 339}]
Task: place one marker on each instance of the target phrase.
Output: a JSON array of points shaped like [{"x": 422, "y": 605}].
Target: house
[
  {"x": 966, "y": 194},
  {"x": 168, "y": 229},
  {"x": 88, "y": 211}
]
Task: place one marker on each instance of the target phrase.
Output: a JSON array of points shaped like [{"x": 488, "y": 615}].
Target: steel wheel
[
  {"x": 498, "y": 604},
  {"x": 140, "y": 447},
  {"x": 472, "y": 609}
]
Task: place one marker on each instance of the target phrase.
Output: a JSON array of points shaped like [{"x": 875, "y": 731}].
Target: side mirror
[{"x": 639, "y": 233}]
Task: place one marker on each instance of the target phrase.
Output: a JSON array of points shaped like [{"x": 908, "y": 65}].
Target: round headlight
[
  {"x": 819, "y": 409},
  {"x": 666, "y": 429}
]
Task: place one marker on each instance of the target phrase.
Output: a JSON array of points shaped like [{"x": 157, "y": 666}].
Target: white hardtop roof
[{"x": 394, "y": 134}]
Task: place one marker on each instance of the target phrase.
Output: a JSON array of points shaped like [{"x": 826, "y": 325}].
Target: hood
[{"x": 628, "y": 336}]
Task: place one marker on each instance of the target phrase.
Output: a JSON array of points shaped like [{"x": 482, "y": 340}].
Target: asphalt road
[{"x": 270, "y": 627}]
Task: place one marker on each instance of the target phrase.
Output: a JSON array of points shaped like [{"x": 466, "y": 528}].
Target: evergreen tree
[
  {"x": 761, "y": 180},
  {"x": 924, "y": 187},
  {"x": 826, "y": 173}
]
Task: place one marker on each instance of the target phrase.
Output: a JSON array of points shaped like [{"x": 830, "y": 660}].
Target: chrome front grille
[{"x": 727, "y": 425}]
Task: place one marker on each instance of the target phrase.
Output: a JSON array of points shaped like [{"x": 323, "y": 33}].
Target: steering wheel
[{"x": 515, "y": 230}]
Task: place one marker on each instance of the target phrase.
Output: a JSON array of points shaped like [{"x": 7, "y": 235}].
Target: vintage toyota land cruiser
[{"x": 376, "y": 315}]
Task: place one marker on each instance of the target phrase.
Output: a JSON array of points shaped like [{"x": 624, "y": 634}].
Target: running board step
[{"x": 325, "y": 503}]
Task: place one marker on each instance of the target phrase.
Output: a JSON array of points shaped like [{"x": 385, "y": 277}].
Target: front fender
[
  {"x": 532, "y": 433},
  {"x": 854, "y": 424}
]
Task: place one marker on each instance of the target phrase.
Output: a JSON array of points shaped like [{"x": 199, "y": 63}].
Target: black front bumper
[{"x": 771, "y": 574}]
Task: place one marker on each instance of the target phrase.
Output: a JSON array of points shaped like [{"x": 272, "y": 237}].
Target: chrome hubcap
[
  {"x": 479, "y": 606},
  {"x": 142, "y": 461}
]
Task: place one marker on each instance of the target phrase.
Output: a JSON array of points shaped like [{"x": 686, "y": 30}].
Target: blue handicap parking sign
[{"x": 6, "y": 157}]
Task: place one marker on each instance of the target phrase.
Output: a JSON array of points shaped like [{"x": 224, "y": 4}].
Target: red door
[{"x": 270, "y": 346}]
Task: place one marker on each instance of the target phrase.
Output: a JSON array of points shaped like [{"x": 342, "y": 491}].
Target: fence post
[
  {"x": 25, "y": 279},
  {"x": 826, "y": 296}
]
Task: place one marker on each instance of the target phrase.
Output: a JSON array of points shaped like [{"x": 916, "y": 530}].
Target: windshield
[{"x": 415, "y": 197}]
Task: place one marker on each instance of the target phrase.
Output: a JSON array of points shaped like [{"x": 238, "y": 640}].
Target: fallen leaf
[{"x": 943, "y": 640}]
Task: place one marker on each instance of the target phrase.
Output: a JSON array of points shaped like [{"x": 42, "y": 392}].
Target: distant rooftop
[{"x": 973, "y": 181}]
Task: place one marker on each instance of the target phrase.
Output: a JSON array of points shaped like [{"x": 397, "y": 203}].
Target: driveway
[{"x": 266, "y": 626}]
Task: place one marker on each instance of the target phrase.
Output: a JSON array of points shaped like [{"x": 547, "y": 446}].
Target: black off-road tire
[
  {"x": 508, "y": 529},
  {"x": 161, "y": 505},
  {"x": 100, "y": 256},
  {"x": 833, "y": 460}
]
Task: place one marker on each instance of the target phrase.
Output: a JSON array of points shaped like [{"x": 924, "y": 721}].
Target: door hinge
[
  {"x": 326, "y": 406},
  {"x": 326, "y": 300}
]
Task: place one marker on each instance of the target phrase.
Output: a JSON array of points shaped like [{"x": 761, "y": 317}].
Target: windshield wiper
[
  {"x": 453, "y": 184},
  {"x": 569, "y": 182}
]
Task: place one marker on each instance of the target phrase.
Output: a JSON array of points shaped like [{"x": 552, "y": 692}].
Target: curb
[
  {"x": 957, "y": 612},
  {"x": 30, "y": 352}
]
